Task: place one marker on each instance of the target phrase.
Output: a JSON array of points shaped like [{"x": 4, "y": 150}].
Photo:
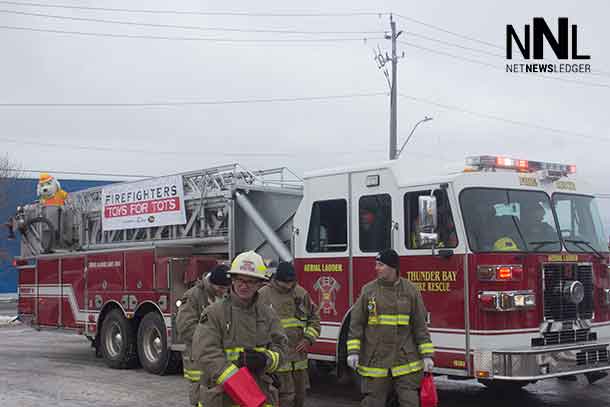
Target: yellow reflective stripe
[
  {"x": 292, "y": 323},
  {"x": 403, "y": 319},
  {"x": 407, "y": 368},
  {"x": 300, "y": 365},
  {"x": 284, "y": 368},
  {"x": 426, "y": 348},
  {"x": 312, "y": 332},
  {"x": 192, "y": 375},
  {"x": 228, "y": 372},
  {"x": 372, "y": 371},
  {"x": 389, "y": 319},
  {"x": 275, "y": 359},
  {"x": 290, "y": 366},
  {"x": 233, "y": 353},
  {"x": 353, "y": 344}
]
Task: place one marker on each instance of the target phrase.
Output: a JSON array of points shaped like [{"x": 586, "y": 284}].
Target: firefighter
[
  {"x": 239, "y": 331},
  {"x": 206, "y": 291},
  {"x": 388, "y": 342},
  {"x": 301, "y": 321}
]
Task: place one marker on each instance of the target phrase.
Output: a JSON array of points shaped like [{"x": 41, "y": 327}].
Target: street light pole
[{"x": 425, "y": 119}]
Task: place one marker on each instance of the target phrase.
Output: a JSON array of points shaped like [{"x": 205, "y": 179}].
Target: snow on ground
[{"x": 6, "y": 320}]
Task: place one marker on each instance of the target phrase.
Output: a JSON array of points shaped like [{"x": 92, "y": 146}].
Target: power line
[
  {"x": 202, "y": 13},
  {"x": 474, "y": 61},
  {"x": 185, "y": 27},
  {"x": 466, "y": 37},
  {"x": 239, "y": 30},
  {"x": 502, "y": 119},
  {"x": 172, "y": 153},
  {"x": 96, "y": 174},
  {"x": 452, "y": 44},
  {"x": 447, "y": 54},
  {"x": 203, "y": 102},
  {"x": 210, "y": 39},
  {"x": 597, "y": 73},
  {"x": 251, "y": 14}
]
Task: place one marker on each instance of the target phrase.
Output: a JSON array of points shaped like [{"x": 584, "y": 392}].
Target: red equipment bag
[
  {"x": 243, "y": 390},
  {"x": 427, "y": 392}
]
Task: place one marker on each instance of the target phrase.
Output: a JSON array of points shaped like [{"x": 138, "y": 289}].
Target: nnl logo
[{"x": 541, "y": 31}]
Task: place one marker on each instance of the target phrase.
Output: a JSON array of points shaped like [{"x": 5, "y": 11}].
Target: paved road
[{"x": 50, "y": 368}]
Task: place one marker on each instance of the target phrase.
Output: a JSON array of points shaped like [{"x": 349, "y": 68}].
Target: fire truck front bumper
[{"x": 543, "y": 362}]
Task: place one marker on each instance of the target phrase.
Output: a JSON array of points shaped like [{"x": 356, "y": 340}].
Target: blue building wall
[{"x": 23, "y": 191}]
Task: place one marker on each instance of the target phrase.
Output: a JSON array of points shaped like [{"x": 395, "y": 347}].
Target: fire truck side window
[
  {"x": 375, "y": 222},
  {"x": 328, "y": 226},
  {"x": 447, "y": 236}
]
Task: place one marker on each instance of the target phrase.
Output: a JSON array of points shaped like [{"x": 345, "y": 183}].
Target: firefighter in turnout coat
[
  {"x": 388, "y": 341},
  {"x": 239, "y": 331},
  {"x": 301, "y": 321},
  {"x": 206, "y": 291}
]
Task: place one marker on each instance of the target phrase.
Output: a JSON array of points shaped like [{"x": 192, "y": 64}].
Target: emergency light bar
[{"x": 492, "y": 162}]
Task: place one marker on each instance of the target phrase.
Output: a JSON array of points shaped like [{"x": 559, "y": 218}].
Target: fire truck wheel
[
  {"x": 117, "y": 340},
  {"x": 153, "y": 352},
  {"x": 503, "y": 385}
]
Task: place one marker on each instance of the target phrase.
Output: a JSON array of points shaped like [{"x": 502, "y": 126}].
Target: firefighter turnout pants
[
  {"x": 294, "y": 382},
  {"x": 194, "y": 393},
  {"x": 376, "y": 390}
]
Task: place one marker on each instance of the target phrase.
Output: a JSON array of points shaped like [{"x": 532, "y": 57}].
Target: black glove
[{"x": 253, "y": 360}]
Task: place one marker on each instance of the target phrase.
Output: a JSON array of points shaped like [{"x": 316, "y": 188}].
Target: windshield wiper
[
  {"x": 588, "y": 244},
  {"x": 541, "y": 243}
]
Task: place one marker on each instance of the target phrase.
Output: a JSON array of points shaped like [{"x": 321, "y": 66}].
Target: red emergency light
[
  {"x": 509, "y": 272},
  {"x": 493, "y": 162}
]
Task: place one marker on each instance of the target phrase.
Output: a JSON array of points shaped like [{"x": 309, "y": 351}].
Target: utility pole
[
  {"x": 393, "y": 93},
  {"x": 382, "y": 59}
]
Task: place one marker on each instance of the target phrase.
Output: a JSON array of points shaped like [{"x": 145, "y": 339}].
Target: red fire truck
[{"x": 510, "y": 257}]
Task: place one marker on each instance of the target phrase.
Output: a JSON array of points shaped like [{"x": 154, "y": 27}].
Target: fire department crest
[
  {"x": 248, "y": 266},
  {"x": 327, "y": 288}
]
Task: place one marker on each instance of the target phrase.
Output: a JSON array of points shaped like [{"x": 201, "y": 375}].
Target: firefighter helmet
[
  {"x": 505, "y": 244},
  {"x": 249, "y": 264}
]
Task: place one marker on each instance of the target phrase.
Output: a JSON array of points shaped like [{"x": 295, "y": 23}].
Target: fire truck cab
[{"x": 509, "y": 255}]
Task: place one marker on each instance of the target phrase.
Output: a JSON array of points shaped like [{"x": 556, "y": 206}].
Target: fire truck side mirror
[
  {"x": 427, "y": 221},
  {"x": 428, "y": 216}
]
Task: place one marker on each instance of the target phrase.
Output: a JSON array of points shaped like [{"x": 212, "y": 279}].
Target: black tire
[
  {"x": 155, "y": 356},
  {"x": 118, "y": 341},
  {"x": 504, "y": 386}
]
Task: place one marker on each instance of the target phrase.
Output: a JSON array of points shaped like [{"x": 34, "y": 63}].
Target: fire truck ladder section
[{"x": 228, "y": 209}]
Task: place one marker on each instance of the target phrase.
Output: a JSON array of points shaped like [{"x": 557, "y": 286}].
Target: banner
[{"x": 154, "y": 202}]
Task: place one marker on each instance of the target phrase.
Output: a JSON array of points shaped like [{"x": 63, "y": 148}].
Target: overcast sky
[{"x": 41, "y": 67}]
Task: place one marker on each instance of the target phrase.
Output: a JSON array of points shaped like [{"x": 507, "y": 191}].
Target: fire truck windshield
[
  {"x": 580, "y": 223},
  {"x": 509, "y": 220}
]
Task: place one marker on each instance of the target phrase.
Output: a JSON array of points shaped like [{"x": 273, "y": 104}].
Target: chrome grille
[
  {"x": 592, "y": 357},
  {"x": 556, "y": 306},
  {"x": 561, "y": 337},
  {"x": 585, "y": 276}
]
